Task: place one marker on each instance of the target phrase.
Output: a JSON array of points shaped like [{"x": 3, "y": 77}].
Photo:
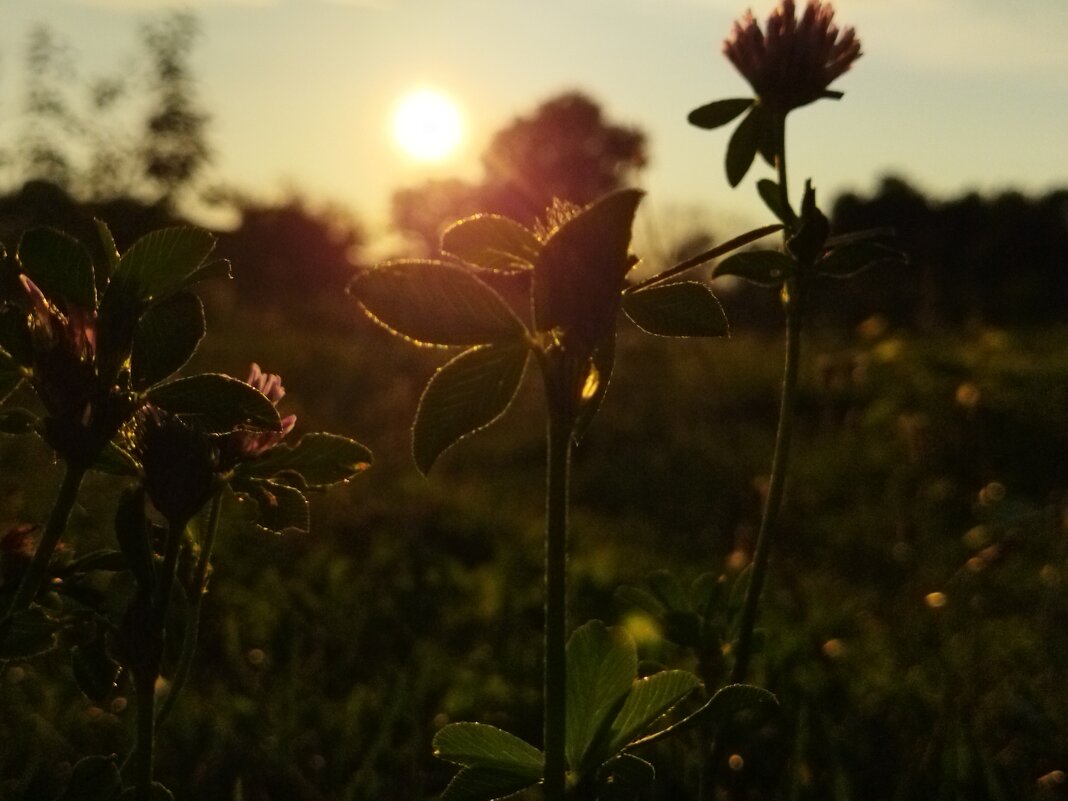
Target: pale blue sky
[{"x": 955, "y": 94}]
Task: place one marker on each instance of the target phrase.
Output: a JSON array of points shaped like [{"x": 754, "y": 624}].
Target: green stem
[
  {"x": 706, "y": 256},
  {"x": 780, "y": 459},
  {"x": 192, "y": 625},
  {"x": 792, "y": 304},
  {"x": 57, "y": 523},
  {"x": 148, "y": 671},
  {"x": 145, "y": 688},
  {"x": 555, "y": 700},
  {"x": 162, "y": 599}
]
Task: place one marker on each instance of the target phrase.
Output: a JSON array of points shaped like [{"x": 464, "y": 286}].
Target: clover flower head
[
  {"x": 64, "y": 360},
  {"x": 267, "y": 383},
  {"x": 557, "y": 214},
  {"x": 76, "y": 330},
  {"x": 793, "y": 61},
  {"x": 248, "y": 444}
]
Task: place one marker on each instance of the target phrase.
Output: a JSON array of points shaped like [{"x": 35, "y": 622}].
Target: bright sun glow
[{"x": 427, "y": 125}]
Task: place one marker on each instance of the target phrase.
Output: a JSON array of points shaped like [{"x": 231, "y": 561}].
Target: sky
[{"x": 955, "y": 95}]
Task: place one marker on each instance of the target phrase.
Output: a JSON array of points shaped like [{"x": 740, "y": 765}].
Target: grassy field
[{"x": 916, "y": 621}]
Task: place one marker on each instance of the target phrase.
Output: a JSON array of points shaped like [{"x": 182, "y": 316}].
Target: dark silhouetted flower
[
  {"x": 179, "y": 462},
  {"x": 793, "y": 61},
  {"x": 64, "y": 355}
]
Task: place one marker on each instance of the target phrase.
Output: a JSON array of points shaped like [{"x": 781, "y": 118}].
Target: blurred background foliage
[{"x": 917, "y": 620}]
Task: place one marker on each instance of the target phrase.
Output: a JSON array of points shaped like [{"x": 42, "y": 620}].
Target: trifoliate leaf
[
  {"x": 713, "y": 115},
  {"x": 465, "y": 395},
  {"x": 435, "y": 303},
  {"x": 682, "y": 309},
  {"x": 492, "y": 242}
]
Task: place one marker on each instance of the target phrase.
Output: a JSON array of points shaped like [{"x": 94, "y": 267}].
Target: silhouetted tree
[
  {"x": 175, "y": 148},
  {"x": 290, "y": 252},
  {"x": 422, "y": 210},
  {"x": 48, "y": 118},
  {"x": 565, "y": 149},
  {"x": 999, "y": 260}
]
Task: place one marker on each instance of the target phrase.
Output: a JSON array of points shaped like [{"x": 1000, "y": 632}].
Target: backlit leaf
[
  {"x": 167, "y": 336},
  {"x": 491, "y": 241},
  {"x": 650, "y": 698},
  {"x": 683, "y": 309},
  {"x": 484, "y": 784},
  {"x": 848, "y": 260},
  {"x": 713, "y": 115},
  {"x": 579, "y": 273},
  {"x": 478, "y": 744},
  {"x": 217, "y": 402},
  {"x": 59, "y": 265},
  {"x": 117, "y": 461},
  {"x": 160, "y": 262},
  {"x": 218, "y": 269},
  {"x": 602, "y": 663},
  {"x": 465, "y": 395},
  {"x": 282, "y": 508},
  {"x": 111, "y": 251},
  {"x": 435, "y": 303},
  {"x": 764, "y": 267},
  {"x": 320, "y": 459},
  {"x": 735, "y": 698}
]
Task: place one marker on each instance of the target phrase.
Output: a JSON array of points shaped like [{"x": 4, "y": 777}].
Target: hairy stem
[
  {"x": 54, "y": 528},
  {"x": 773, "y": 503},
  {"x": 192, "y": 625},
  {"x": 555, "y": 700}
]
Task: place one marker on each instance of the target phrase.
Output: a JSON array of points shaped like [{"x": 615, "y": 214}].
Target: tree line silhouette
[{"x": 999, "y": 259}]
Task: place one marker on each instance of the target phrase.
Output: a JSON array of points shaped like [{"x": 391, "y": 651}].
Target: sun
[{"x": 427, "y": 125}]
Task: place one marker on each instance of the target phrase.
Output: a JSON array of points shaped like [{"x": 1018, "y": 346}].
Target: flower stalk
[
  {"x": 556, "y": 530},
  {"x": 559, "y": 371},
  {"x": 776, "y": 484},
  {"x": 57, "y": 523},
  {"x": 192, "y": 627}
]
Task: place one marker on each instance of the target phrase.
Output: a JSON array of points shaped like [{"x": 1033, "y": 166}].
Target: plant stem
[
  {"x": 792, "y": 305},
  {"x": 192, "y": 624},
  {"x": 54, "y": 528},
  {"x": 780, "y": 459},
  {"x": 555, "y": 700},
  {"x": 148, "y": 670},
  {"x": 706, "y": 256},
  {"x": 162, "y": 600}
]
